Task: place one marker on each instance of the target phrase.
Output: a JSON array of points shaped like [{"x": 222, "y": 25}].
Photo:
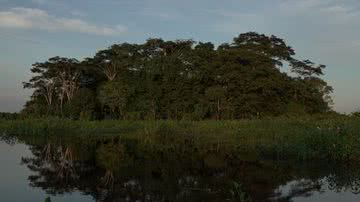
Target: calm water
[{"x": 124, "y": 170}]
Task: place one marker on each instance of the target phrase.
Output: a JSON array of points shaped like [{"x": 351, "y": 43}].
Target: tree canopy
[{"x": 180, "y": 79}]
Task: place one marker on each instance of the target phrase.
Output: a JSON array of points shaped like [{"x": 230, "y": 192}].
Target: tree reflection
[
  {"x": 111, "y": 157},
  {"x": 340, "y": 183},
  {"x": 56, "y": 170},
  {"x": 300, "y": 188},
  {"x": 114, "y": 170}
]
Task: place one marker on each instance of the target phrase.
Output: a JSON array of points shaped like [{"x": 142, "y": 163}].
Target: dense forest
[{"x": 253, "y": 76}]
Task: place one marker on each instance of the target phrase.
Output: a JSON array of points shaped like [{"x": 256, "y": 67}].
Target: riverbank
[{"x": 307, "y": 138}]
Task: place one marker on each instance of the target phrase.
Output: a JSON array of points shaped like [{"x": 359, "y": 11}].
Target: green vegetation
[
  {"x": 356, "y": 114},
  {"x": 154, "y": 168},
  {"x": 321, "y": 137},
  {"x": 9, "y": 116},
  {"x": 181, "y": 102},
  {"x": 254, "y": 76},
  {"x": 172, "y": 110},
  {"x": 238, "y": 195}
]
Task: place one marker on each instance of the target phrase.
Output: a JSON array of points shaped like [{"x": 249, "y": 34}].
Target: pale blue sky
[{"x": 325, "y": 31}]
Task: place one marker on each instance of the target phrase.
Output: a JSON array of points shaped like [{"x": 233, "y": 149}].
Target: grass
[{"x": 305, "y": 138}]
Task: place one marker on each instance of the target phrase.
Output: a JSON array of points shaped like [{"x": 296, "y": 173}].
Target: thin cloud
[
  {"x": 21, "y": 38},
  {"x": 312, "y": 14},
  {"x": 40, "y": 1},
  {"x": 78, "y": 13},
  {"x": 342, "y": 14},
  {"x": 29, "y": 18},
  {"x": 334, "y": 9},
  {"x": 299, "y": 6},
  {"x": 159, "y": 13}
]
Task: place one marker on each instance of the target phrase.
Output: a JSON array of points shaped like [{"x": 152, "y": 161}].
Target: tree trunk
[
  {"x": 218, "y": 116},
  {"x": 153, "y": 109}
]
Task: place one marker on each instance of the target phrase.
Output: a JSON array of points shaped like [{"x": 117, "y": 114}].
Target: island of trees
[{"x": 253, "y": 76}]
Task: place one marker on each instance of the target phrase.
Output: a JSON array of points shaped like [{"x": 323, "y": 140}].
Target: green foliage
[
  {"x": 82, "y": 106},
  {"x": 237, "y": 193},
  {"x": 356, "y": 114},
  {"x": 111, "y": 156},
  {"x": 86, "y": 115},
  {"x": 331, "y": 137},
  {"x": 295, "y": 109},
  {"x": 9, "y": 116},
  {"x": 114, "y": 95},
  {"x": 180, "y": 80}
]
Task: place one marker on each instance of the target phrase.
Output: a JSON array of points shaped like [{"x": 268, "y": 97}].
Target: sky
[{"x": 324, "y": 31}]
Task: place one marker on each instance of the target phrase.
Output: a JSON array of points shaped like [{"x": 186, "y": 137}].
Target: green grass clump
[{"x": 332, "y": 138}]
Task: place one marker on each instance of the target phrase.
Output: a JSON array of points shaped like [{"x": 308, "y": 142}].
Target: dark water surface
[{"x": 125, "y": 170}]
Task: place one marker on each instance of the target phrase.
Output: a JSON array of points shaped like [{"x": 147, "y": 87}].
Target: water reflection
[{"x": 115, "y": 169}]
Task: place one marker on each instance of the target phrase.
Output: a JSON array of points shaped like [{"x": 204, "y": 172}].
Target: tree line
[
  {"x": 9, "y": 116},
  {"x": 253, "y": 76}
]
